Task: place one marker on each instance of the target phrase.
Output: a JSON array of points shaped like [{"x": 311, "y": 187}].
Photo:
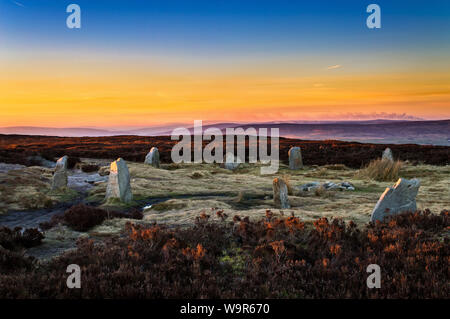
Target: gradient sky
[{"x": 138, "y": 63}]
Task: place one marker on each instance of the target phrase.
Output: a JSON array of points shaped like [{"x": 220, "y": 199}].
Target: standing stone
[
  {"x": 61, "y": 164},
  {"x": 295, "y": 158},
  {"x": 280, "y": 193},
  {"x": 119, "y": 182},
  {"x": 60, "y": 178},
  {"x": 231, "y": 162},
  {"x": 387, "y": 155},
  {"x": 397, "y": 199},
  {"x": 152, "y": 157}
]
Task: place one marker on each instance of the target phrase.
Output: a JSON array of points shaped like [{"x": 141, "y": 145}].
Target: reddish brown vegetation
[
  {"x": 16, "y": 238},
  {"x": 16, "y": 149},
  {"x": 83, "y": 218},
  {"x": 275, "y": 257}
]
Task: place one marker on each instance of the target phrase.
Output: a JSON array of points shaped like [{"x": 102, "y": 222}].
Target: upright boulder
[
  {"x": 119, "y": 182},
  {"x": 387, "y": 155},
  {"x": 280, "y": 193},
  {"x": 152, "y": 157},
  {"x": 62, "y": 163},
  {"x": 295, "y": 158},
  {"x": 60, "y": 178},
  {"x": 397, "y": 199}
]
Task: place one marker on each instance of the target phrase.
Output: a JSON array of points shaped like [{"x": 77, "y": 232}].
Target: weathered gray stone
[
  {"x": 61, "y": 164},
  {"x": 152, "y": 157},
  {"x": 347, "y": 186},
  {"x": 397, "y": 199},
  {"x": 295, "y": 158},
  {"x": 231, "y": 162},
  {"x": 387, "y": 155},
  {"x": 60, "y": 179},
  {"x": 329, "y": 185},
  {"x": 119, "y": 182},
  {"x": 280, "y": 193},
  {"x": 309, "y": 186}
]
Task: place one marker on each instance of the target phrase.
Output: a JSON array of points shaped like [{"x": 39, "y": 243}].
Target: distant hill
[{"x": 371, "y": 131}]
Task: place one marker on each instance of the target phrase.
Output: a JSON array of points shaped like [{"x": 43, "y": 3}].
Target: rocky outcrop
[
  {"x": 280, "y": 193},
  {"x": 295, "y": 158},
  {"x": 152, "y": 157},
  {"x": 119, "y": 182},
  {"x": 397, "y": 199}
]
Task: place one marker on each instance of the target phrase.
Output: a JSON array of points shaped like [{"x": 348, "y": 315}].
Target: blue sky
[{"x": 227, "y": 27}]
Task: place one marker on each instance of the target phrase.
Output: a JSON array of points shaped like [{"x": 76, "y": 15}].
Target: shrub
[
  {"x": 381, "y": 170},
  {"x": 82, "y": 217},
  {"x": 72, "y": 161},
  {"x": 12, "y": 263},
  {"x": 12, "y": 239},
  {"x": 89, "y": 168},
  {"x": 274, "y": 257}
]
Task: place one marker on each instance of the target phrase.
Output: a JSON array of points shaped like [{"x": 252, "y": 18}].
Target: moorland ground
[{"x": 186, "y": 223}]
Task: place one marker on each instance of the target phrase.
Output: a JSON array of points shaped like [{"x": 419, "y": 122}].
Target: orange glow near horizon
[{"x": 107, "y": 94}]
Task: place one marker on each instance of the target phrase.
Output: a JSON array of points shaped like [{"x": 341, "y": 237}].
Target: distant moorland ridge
[
  {"x": 373, "y": 131},
  {"x": 17, "y": 149}
]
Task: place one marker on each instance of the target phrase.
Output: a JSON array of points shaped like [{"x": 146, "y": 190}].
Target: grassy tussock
[{"x": 381, "y": 170}]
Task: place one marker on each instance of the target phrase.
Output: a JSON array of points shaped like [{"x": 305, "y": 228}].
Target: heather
[
  {"x": 236, "y": 257},
  {"x": 82, "y": 217},
  {"x": 18, "y": 149}
]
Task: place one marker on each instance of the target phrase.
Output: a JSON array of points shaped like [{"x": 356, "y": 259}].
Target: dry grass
[
  {"x": 287, "y": 181},
  {"x": 324, "y": 193},
  {"x": 222, "y": 188},
  {"x": 381, "y": 170}
]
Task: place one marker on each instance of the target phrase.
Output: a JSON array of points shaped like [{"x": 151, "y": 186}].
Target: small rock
[
  {"x": 295, "y": 158},
  {"x": 280, "y": 193},
  {"x": 346, "y": 186},
  {"x": 329, "y": 185},
  {"x": 119, "y": 182},
  {"x": 309, "y": 186},
  {"x": 397, "y": 199},
  {"x": 152, "y": 157}
]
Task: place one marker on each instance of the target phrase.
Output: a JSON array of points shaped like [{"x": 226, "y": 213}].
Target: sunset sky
[{"x": 138, "y": 63}]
